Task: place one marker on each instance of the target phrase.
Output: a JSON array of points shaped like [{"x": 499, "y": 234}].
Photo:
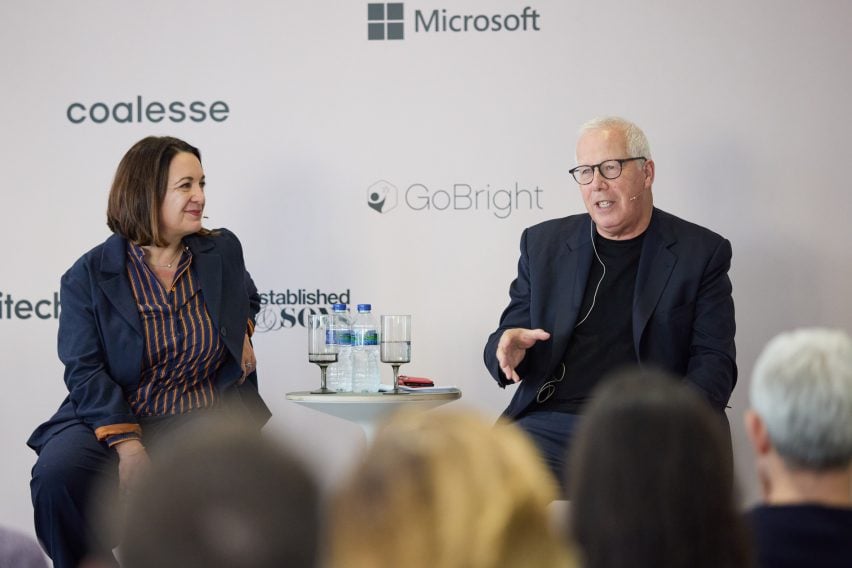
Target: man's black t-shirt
[{"x": 603, "y": 341}]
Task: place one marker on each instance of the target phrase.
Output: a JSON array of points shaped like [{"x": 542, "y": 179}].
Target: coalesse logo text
[{"x": 139, "y": 110}]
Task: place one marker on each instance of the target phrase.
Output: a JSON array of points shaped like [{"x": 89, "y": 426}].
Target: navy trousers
[
  {"x": 74, "y": 479},
  {"x": 74, "y": 476},
  {"x": 552, "y": 433}
]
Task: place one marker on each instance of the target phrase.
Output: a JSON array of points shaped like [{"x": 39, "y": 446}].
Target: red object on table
[{"x": 407, "y": 381}]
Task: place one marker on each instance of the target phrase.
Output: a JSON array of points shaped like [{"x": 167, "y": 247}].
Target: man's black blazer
[{"x": 683, "y": 312}]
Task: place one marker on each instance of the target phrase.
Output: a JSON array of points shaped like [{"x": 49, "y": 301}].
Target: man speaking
[{"x": 624, "y": 284}]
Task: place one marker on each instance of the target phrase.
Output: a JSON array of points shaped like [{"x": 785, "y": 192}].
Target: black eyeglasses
[{"x": 610, "y": 169}]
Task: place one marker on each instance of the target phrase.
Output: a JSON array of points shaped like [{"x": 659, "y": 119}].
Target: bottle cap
[
  {"x": 365, "y": 307},
  {"x": 338, "y": 307}
]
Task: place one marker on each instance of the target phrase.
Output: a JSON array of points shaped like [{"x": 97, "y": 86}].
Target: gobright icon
[
  {"x": 382, "y": 196},
  {"x": 384, "y": 21}
]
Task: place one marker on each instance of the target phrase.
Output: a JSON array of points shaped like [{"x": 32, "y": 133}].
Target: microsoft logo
[{"x": 384, "y": 21}]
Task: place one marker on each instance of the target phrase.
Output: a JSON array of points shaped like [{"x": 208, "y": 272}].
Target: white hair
[
  {"x": 637, "y": 143},
  {"x": 802, "y": 389}
]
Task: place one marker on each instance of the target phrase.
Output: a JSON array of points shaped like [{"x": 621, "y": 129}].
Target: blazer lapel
[
  {"x": 655, "y": 267},
  {"x": 115, "y": 283},
  {"x": 572, "y": 268},
  {"x": 208, "y": 265}
]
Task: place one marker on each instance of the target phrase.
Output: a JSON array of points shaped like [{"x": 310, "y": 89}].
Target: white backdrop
[{"x": 745, "y": 105}]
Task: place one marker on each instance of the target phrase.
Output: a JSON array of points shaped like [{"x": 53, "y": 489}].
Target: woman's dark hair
[
  {"x": 651, "y": 479},
  {"x": 139, "y": 187}
]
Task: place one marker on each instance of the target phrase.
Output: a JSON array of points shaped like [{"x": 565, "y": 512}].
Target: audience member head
[
  {"x": 800, "y": 421},
  {"x": 446, "y": 489},
  {"x": 651, "y": 482},
  {"x": 223, "y": 497},
  {"x": 140, "y": 186}
]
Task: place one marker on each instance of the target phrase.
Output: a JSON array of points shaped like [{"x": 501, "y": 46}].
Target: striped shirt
[{"x": 182, "y": 351}]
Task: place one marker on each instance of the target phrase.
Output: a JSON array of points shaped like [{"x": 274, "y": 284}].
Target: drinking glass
[
  {"x": 321, "y": 349},
  {"x": 396, "y": 343}
]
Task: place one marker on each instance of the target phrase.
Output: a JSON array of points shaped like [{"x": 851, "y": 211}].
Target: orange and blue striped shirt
[{"x": 182, "y": 350}]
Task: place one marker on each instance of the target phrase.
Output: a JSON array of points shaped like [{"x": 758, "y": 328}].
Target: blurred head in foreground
[
  {"x": 223, "y": 497},
  {"x": 651, "y": 481},
  {"x": 446, "y": 489}
]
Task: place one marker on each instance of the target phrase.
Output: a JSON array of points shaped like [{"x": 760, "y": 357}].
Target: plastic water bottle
[
  {"x": 340, "y": 373},
  {"x": 365, "y": 351}
]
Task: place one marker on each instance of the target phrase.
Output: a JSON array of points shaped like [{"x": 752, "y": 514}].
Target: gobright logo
[
  {"x": 500, "y": 201},
  {"x": 382, "y": 196},
  {"x": 385, "y": 21}
]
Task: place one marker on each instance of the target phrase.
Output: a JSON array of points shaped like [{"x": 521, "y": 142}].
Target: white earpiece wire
[
  {"x": 548, "y": 389},
  {"x": 598, "y": 286}
]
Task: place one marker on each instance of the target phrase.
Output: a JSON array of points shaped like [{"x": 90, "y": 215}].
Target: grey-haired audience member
[{"x": 800, "y": 427}]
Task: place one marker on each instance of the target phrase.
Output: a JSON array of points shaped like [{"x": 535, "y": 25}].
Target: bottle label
[
  {"x": 338, "y": 337},
  {"x": 365, "y": 337},
  {"x": 371, "y": 337}
]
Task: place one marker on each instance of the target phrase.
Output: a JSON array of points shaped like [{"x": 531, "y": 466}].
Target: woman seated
[{"x": 154, "y": 331}]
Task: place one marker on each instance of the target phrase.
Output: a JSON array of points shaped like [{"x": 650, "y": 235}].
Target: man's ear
[
  {"x": 757, "y": 434},
  {"x": 649, "y": 168}
]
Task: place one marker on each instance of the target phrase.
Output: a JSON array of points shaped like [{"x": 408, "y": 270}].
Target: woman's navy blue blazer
[{"x": 100, "y": 334}]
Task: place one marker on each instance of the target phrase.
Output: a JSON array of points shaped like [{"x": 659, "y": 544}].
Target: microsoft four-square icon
[{"x": 384, "y": 21}]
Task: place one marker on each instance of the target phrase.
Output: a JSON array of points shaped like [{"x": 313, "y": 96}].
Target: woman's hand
[
  {"x": 248, "y": 359},
  {"x": 132, "y": 463}
]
